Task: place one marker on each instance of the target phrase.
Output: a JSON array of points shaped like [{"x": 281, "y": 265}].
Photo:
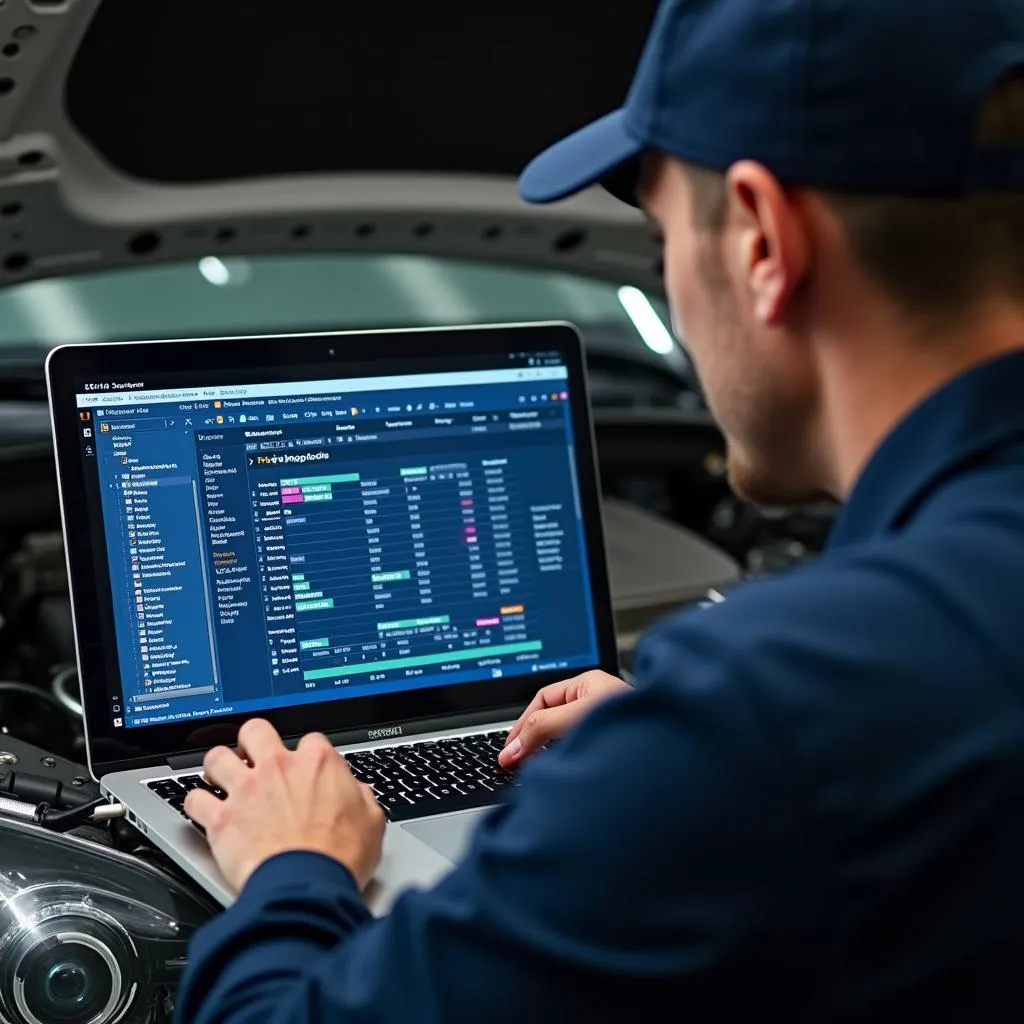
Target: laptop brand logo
[{"x": 383, "y": 734}]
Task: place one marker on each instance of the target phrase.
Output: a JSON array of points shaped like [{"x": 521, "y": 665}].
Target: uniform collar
[{"x": 976, "y": 412}]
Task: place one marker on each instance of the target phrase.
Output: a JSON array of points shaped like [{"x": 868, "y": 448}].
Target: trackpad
[{"x": 448, "y": 835}]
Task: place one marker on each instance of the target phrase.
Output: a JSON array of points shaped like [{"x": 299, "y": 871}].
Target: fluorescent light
[
  {"x": 431, "y": 290},
  {"x": 56, "y": 311},
  {"x": 214, "y": 270},
  {"x": 648, "y": 324}
]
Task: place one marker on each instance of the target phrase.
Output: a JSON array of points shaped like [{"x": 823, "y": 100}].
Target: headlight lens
[
  {"x": 62, "y": 961},
  {"x": 88, "y": 935}
]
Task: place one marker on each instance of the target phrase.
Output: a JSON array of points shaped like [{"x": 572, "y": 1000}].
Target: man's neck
[{"x": 869, "y": 388}]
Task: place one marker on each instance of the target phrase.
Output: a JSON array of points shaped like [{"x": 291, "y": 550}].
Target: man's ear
[{"x": 770, "y": 244}]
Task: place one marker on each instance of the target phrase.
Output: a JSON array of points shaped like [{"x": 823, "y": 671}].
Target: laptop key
[
  {"x": 456, "y": 802},
  {"x": 391, "y": 801},
  {"x": 498, "y": 779},
  {"x": 418, "y": 795},
  {"x": 165, "y": 788}
]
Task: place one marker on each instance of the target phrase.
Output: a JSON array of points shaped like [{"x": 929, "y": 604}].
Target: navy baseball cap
[{"x": 860, "y": 95}]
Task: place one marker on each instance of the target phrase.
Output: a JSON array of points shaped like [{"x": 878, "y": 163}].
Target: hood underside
[{"x": 136, "y": 131}]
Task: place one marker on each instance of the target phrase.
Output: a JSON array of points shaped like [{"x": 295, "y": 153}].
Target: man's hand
[
  {"x": 554, "y": 710},
  {"x": 281, "y": 801}
]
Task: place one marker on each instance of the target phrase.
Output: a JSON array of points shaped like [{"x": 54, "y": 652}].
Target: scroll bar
[{"x": 206, "y": 587}]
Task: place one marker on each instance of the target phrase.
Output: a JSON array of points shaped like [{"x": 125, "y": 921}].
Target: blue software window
[{"x": 271, "y": 544}]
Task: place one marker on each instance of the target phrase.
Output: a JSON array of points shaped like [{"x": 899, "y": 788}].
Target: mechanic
[{"x": 811, "y": 807}]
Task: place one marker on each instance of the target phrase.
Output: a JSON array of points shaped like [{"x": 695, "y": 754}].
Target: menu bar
[{"x": 100, "y": 396}]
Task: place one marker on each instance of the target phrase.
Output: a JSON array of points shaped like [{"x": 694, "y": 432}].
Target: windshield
[
  {"x": 269, "y": 293},
  {"x": 266, "y": 294}
]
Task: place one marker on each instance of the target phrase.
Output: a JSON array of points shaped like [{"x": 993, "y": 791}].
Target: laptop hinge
[
  {"x": 178, "y": 762},
  {"x": 393, "y": 730}
]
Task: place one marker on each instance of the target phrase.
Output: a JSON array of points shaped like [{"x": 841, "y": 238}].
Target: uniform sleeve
[{"x": 660, "y": 852}]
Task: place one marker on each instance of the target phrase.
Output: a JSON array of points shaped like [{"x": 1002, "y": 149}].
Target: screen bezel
[{"x": 294, "y": 357}]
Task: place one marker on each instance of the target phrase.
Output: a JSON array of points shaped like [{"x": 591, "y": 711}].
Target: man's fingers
[
  {"x": 313, "y": 741},
  {"x": 549, "y": 696},
  {"x": 223, "y": 768},
  {"x": 202, "y": 807},
  {"x": 538, "y": 728},
  {"x": 258, "y": 740},
  {"x": 543, "y": 726}
]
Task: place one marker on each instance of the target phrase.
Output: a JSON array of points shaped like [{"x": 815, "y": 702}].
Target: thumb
[{"x": 541, "y": 727}]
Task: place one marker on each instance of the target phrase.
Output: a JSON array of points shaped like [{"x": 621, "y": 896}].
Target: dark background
[{"x": 213, "y": 89}]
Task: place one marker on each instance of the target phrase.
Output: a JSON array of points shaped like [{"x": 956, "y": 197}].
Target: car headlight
[{"x": 88, "y": 935}]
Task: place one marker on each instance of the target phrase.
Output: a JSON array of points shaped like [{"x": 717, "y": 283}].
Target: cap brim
[{"x": 602, "y": 153}]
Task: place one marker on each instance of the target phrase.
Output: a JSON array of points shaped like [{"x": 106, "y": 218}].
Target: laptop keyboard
[
  {"x": 435, "y": 776},
  {"x": 410, "y": 781}
]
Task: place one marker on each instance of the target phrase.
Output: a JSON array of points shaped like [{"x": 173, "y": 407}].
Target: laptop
[{"x": 392, "y": 537}]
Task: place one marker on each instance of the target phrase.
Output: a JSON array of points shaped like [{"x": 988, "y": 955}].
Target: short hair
[{"x": 935, "y": 257}]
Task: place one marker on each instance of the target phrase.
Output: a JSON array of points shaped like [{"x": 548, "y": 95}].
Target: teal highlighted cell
[
  {"x": 303, "y": 481},
  {"x": 313, "y": 645},
  {"x": 317, "y": 497},
  {"x": 475, "y": 653},
  {"x": 316, "y": 489},
  {"x": 434, "y": 620},
  {"x": 298, "y": 577},
  {"x": 300, "y": 587},
  {"x": 414, "y": 471},
  {"x": 314, "y": 606},
  {"x": 391, "y": 577}
]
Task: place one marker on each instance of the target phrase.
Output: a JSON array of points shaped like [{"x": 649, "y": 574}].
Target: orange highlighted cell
[{"x": 512, "y": 609}]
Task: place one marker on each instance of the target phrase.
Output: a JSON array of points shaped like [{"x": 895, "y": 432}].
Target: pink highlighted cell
[
  {"x": 291, "y": 499},
  {"x": 466, "y": 503},
  {"x": 291, "y": 490},
  {"x": 488, "y": 622}
]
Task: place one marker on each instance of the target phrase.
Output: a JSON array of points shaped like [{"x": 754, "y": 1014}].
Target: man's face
[{"x": 760, "y": 393}]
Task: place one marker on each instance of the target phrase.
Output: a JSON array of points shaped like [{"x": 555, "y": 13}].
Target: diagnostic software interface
[{"x": 270, "y": 544}]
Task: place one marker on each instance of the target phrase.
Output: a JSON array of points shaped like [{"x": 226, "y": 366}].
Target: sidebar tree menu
[{"x": 155, "y": 531}]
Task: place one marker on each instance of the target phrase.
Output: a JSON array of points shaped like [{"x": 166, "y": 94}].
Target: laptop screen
[{"x": 280, "y": 543}]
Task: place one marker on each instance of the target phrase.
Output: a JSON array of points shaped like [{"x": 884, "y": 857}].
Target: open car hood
[{"x": 135, "y": 131}]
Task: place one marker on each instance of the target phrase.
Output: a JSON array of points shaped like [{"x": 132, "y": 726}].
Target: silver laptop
[{"x": 390, "y": 537}]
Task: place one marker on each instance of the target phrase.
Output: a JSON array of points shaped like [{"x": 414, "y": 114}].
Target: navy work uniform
[{"x": 811, "y": 808}]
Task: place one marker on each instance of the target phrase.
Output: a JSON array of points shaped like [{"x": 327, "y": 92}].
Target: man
[{"x": 812, "y": 806}]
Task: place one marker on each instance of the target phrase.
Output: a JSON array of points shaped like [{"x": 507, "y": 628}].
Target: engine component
[
  {"x": 36, "y": 716},
  {"x": 656, "y": 567},
  {"x": 38, "y": 568},
  {"x": 39, "y": 789},
  {"x": 41, "y": 764},
  {"x": 88, "y": 935}
]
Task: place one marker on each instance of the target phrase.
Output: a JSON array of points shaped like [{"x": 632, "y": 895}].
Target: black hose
[
  {"x": 64, "y": 821},
  {"x": 27, "y": 690}
]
